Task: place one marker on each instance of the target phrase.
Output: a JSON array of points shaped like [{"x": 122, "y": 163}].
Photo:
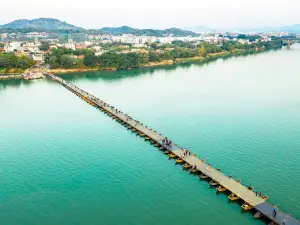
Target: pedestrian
[{"x": 274, "y": 211}]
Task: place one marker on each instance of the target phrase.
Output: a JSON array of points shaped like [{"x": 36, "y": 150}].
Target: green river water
[{"x": 64, "y": 162}]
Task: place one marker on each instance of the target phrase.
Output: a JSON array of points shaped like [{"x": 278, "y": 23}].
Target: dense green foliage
[
  {"x": 9, "y": 61},
  {"x": 44, "y": 46},
  {"x": 85, "y": 58}
]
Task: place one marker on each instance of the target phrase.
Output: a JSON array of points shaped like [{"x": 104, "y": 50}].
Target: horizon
[
  {"x": 159, "y": 15},
  {"x": 126, "y": 25}
]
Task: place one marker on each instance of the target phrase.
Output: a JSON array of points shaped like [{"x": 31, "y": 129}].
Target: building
[
  {"x": 38, "y": 57},
  {"x": 13, "y": 46}
]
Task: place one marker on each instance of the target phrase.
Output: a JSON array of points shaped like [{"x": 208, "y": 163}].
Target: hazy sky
[{"x": 156, "y": 13}]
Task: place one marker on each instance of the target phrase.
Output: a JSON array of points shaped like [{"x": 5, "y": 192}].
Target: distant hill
[
  {"x": 150, "y": 32},
  {"x": 198, "y": 29},
  {"x": 41, "y": 23}
]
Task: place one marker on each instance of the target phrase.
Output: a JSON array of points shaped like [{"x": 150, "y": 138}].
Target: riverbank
[
  {"x": 11, "y": 77},
  {"x": 17, "y": 73},
  {"x": 208, "y": 57}
]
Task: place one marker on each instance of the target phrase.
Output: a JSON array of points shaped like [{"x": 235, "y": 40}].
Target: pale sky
[{"x": 156, "y": 13}]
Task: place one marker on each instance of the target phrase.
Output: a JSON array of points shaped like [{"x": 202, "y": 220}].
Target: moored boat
[
  {"x": 187, "y": 166},
  {"x": 220, "y": 188},
  {"x": 194, "y": 171},
  {"x": 213, "y": 183},
  {"x": 265, "y": 197},
  {"x": 247, "y": 206},
  {"x": 167, "y": 152},
  {"x": 179, "y": 160},
  {"x": 233, "y": 197},
  {"x": 250, "y": 188},
  {"x": 172, "y": 155},
  {"x": 203, "y": 176},
  {"x": 257, "y": 215}
]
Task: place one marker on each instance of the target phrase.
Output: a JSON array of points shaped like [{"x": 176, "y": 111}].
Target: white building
[{"x": 13, "y": 46}]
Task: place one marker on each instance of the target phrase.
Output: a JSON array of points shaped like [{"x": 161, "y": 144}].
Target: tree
[
  {"x": 44, "y": 46},
  {"x": 90, "y": 60},
  {"x": 201, "y": 51},
  {"x": 66, "y": 61},
  {"x": 78, "y": 63},
  {"x": 154, "y": 57},
  {"x": 83, "y": 51},
  {"x": 53, "y": 62}
]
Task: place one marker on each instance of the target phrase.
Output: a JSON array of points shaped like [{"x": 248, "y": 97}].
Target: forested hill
[
  {"x": 57, "y": 26},
  {"x": 41, "y": 23},
  {"x": 149, "y": 32}
]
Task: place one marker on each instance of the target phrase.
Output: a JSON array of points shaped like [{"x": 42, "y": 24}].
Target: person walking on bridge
[{"x": 275, "y": 211}]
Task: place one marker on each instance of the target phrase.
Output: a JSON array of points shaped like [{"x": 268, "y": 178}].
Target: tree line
[
  {"x": 10, "y": 61},
  {"x": 85, "y": 58}
]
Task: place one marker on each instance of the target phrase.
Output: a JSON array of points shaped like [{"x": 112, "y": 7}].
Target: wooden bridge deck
[{"x": 237, "y": 188}]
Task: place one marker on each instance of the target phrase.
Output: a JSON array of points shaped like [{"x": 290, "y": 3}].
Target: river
[{"x": 65, "y": 162}]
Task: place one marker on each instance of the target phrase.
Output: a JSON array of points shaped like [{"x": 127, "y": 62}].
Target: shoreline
[
  {"x": 162, "y": 63},
  {"x": 13, "y": 75}
]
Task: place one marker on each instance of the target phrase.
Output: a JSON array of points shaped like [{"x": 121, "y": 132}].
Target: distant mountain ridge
[
  {"x": 55, "y": 24},
  {"x": 41, "y": 23},
  {"x": 149, "y": 32}
]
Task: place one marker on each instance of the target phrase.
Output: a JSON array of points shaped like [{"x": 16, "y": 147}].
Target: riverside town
[{"x": 64, "y": 51}]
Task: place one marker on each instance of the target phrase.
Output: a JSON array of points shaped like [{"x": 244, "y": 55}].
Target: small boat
[
  {"x": 250, "y": 188},
  {"x": 172, "y": 155},
  {"x": 247, "y": 206},
  {"x": 203, "y": 176},
  {"x": 238, "y": 181},
  {"x": 156, "y": 145},
  {"x": 167, "y": 152},
  {"x": 187, "y": 166},
  {"x": 161, "y": 148},
  {"x": 179, "y": 160},
  {"x": 257, "y": 215},
  {"x": 233, "y": 197},
  {"x": 213, "y": 183},
  {"x": 147, "y": 138},
  {"x": 221, "y": 188},
  {"x": 265, "y": 197},
  {"x": 142, "y": 135},
  {"x": 133, "y": 129},
  {"x": 194, "y": 171}
]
